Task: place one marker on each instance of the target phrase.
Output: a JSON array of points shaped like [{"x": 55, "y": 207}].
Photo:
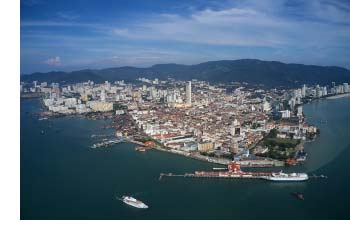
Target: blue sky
[{"x": 78, "y": 34}]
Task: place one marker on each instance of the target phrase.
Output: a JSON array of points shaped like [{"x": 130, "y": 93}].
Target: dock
[
  {"x": 224, "y": 176},
  {"x": 107, "y": 143},
  {"x": 233, "y": 172},
  {"x": 227, "y": 176},
  {"x": 313, "y": 176},
  {"x": 171, "y": 175}
]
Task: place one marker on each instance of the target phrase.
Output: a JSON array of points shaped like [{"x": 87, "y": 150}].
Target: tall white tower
[
  {"x": 303, "y": 91},
  {"x": 103, "y": 95},
  {"x": 188, "y": 93}
]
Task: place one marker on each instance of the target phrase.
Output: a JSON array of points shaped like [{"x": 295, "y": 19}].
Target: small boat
[
  {"x": 323, "y": 176},
  {"x": 133, "y": 202},
  {"x": 298, "y": 195},
  {"x": 140, "y": 148},
  {"x": 42, "y": 132}
]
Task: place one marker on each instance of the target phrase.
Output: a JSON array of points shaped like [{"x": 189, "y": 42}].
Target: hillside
[{"x": 268, "y": 73}]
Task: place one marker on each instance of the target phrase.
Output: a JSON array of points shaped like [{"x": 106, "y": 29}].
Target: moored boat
[{"x": 287, "y": 177}]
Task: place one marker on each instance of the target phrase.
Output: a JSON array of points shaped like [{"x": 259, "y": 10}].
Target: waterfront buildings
[{"x": 217, "y": 121}]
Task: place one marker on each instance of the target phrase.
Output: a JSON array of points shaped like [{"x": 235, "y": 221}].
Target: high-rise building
[
  {"x": 300, "y": 111},
  {"x": 103, "y": 95},
  {"x": 325, "y": 91},
  {"x": 188, "y": 93},
  {"x": 303, "y": 91},
  {"x": 319, "y": 91}
]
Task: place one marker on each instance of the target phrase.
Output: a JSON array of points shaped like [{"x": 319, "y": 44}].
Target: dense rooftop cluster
[{"x": 195, "y": 116}]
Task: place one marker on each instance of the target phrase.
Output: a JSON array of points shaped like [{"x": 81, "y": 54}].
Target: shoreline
[
  {"x": 339, "y": 96},
  {"x": 263, "y": 162}
]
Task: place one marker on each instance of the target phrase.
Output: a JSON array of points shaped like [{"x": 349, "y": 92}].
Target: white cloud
[
  {"x": 225, "y": 27},
  {"x": 248, "y": 24},
  {"x": 56, "y": 61},
  {"x": 67, "y": 15}
]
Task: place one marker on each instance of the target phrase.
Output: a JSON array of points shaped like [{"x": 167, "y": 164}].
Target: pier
[
  {"x": 170, "y": 175},
  {"x": 224, "y": 176},
  {"x": 228, "y": 176},
  {"x": 233, "y": 172},
  {"x": 313, "y": 176},
  {"x": 107, "y": 143}
]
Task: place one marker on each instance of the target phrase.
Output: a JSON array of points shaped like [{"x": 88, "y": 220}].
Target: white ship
[
  {"x": 287, "y": 177},
  {"x": 133, "y": 202}
]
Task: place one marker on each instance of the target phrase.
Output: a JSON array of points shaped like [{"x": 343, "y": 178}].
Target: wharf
[
  {"x": 224, "y": 176},
  {"x": 107, "y": 143},
  {"x": 313, "y": 176},
  {"x": 228, "y": 176},
  {"x": 233, "y": 172}
]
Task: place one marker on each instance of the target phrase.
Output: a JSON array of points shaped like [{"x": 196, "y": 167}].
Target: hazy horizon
[{"x": 148, "y": 66}]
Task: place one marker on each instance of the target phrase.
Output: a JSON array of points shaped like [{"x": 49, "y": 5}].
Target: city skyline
[{"x": 61, "y": 36}]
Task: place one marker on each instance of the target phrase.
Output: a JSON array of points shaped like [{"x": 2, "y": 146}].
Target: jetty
[
  {"x": 233, "y": 172},
  {"x": 107, "y": 143}
]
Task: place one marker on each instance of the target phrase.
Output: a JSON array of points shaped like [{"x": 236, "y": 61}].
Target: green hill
[{"x": 268, "y": 73}]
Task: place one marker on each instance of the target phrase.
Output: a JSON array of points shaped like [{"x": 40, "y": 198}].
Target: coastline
[
  {"x": 261, "y": 163},
  {"x": 339, "y": 96}
]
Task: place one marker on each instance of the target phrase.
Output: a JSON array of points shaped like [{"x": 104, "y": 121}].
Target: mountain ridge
[{"x": 254, "y": 71}]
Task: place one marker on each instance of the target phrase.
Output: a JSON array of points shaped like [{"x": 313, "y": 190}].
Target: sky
[{"x": 79, "y": 34}]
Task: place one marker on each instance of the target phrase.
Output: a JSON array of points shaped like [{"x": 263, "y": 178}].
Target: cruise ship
[
  {"x": 133, "y": 202},
  {"x": 287, "y": 177}
]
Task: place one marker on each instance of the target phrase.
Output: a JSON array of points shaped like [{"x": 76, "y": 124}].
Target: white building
[
  {"x": 285, "y": 113},
  {"x": 266, "y": 106},
  {"x": 103, "y": 95},
  {"x": 300, "y": 111},
  {"x": 188, "y": 93},
  {"x": 303, "y": 91}
]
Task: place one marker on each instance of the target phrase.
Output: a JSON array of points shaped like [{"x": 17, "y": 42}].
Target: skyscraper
[
  {"x": 103, "y": 95},
  {"x": 303, "y": 91},
  {"x": 188, "y": 93}
]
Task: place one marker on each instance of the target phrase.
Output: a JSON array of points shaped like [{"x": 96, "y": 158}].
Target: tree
[{"x": 272, "y": 134}]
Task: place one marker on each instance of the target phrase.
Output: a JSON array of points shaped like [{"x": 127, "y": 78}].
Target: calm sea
[{"x": 62, "y": 178}]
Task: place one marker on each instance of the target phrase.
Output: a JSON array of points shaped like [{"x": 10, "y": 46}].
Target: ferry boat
[
  {"x": 133, "y": 202},
  {"x": 287, "y": 177}
]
